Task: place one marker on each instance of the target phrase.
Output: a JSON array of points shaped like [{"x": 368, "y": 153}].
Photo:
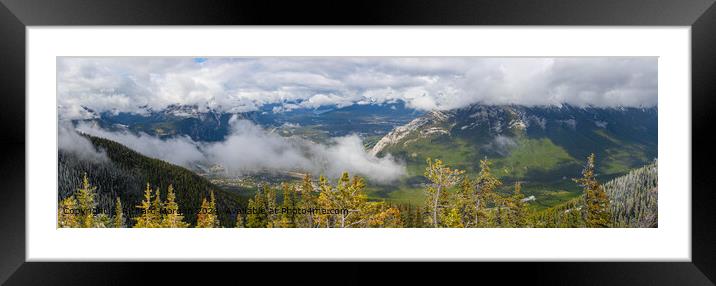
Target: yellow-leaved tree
[
  {"x": 172, "y": 217},
  {"x": 441, "y": 179},
  {"x": 148, "y": 217},
  {"x": 207, "y": 217},
  {"x": 66, "y": 216}
]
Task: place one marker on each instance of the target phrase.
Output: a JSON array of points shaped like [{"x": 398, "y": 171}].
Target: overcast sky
[{"x": 243, "y": 84}]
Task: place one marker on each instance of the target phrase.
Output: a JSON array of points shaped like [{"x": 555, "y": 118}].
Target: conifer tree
[
  {"x": 272, "y": 217},
  {"x": 288, "y": 217},
  {"x": 325, "y": 201},
  {"x": 518, "y": 215},
  {"x": 118, "y": 220},
  {"x": 66, "y": 216},
  {"x": 239, "y": 220},
  {"x": 256, "y": 216},
  {"x": 308, "y": 201},
  {"x": 350, "y": 197},
  {"x": 86, "y": 200},
  {"x": 171, "y": 217},
  {"x": 441, "y": 178},
  {"x": 485, "y": 185},
  {"x": 418, "y": 217},
  {"x": 464, "y": 202},
  {"x": 388, "y": 217},
  {"x": 207, "y": 217},
  {"x": 596, "y": 201},
  {"x": 147, "y": 215},
  {"x": 453, "y": 219},
  {"x": 158, "y": 207}
]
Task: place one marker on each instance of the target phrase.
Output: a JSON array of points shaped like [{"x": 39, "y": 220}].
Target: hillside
[
  {"x": 543, "y": 147},
  {"x": 126, "y": 173},
  {"x": 632, "y": 202}
]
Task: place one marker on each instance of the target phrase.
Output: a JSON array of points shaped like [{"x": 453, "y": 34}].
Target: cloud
[
  {"x": 250, "y": 149},
  {"x": 242, "y": 84},
  {"x": 70, "y": 141},
  {"x": 178, "y": 150}
]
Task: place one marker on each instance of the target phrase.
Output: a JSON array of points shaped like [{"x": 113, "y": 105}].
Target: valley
[{"x": 540, "y": 147}]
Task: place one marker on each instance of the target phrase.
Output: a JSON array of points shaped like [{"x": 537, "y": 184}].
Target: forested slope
[
  {"x": 632, "y": 202},
  {"x": 126, "y": 174}
]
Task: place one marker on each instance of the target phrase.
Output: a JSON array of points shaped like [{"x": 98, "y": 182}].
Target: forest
[{"x": 453, "y": 200}]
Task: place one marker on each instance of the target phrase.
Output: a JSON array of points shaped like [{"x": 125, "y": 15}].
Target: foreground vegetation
[{"x": 453, "y": 200}]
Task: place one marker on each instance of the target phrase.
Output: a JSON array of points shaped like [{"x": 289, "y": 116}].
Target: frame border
[{"x": 15, "y": 15}]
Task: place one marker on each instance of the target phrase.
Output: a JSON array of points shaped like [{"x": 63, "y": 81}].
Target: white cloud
[
  {"x": 241, "y": 84},
  {"x": 250, "y": 148},
  {"x": 178, "y": 150},
  {"x": 70, "y": 141}
]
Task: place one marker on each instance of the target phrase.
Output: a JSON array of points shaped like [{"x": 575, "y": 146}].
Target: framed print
[{"x": 563, "y": 143}]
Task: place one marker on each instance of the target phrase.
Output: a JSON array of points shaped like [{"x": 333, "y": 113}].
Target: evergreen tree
[
  {"x": 147, "y": 216},
  {"x": 518, "y": 209},
  {"x": 239, "y": 220},
  {"x": 86, "y": 200},
  {"x": 596, "y": 201},
  {"x": 172, "y": 217},
  {"x": 272, "y": 217},
  {"x": 484, "y": 193},
  {"x": 441, "y": 179},
  {"x": 288, "y": 217},
  {"x": 207, "y": 217},
  {"x": 66, "y": 216},
  {"x": 325, "y": 201},
  {"x": 118, "y": 220},
  {"x": 418, "y": 217},
  {"x": 386, "y": 217},
  {"x": 157, "y": 207},
  {"x": 308, "y": 201},
  {"x": 453, "y": 219},
  {"x": 256, "y": 212}
]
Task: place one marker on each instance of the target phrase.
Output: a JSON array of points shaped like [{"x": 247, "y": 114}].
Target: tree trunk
[{"x": 435, "y": 206}]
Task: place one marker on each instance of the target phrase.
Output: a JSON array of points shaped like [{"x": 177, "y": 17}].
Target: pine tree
[
  {"x": 171, "y": 217},
  {"x": 157, "y": 207},
  {"x": 596, "y": 201},
  {"x": 288, "y": 217},
  {"x": 441, "y": 179},
  {"x": 386, "y": 217},
  {"x": 272, "y": 217},
  {"x": 308, "y": 201},
  {"x": 239, "y": 220},
  {"x": 325, "y": 201},
  {"x": 485, "y": 185},
  {"x": 351, "y": 199},
  {"x": 453, "y": 219},
  {"x": 66, "y": 216},
  {"x": 518, "y": 208},
  {"x": 418, "y": 217},
  {"x": 118, "y": 220},
  {"x": 256, "y": 213},
  {"x": 207, "y": 217},
  {"x": 86, "y": 200},
  {"x": 147, "y": 216}
]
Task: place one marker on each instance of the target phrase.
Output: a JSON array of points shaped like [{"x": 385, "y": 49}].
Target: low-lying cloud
[
  {"x": 70, "y": 141},
  {"x": 250, "y": 149}
]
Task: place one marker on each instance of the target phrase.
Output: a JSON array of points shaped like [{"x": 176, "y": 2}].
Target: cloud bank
[
  {"x": 244, "y": 84},
  {"x": 250, "y": 149},
  {"x": 70, "y": 141}
]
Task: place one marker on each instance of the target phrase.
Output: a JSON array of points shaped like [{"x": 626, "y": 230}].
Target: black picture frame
[{"x": 16, "y": 15}]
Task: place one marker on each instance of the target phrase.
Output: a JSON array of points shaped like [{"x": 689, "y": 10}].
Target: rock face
[
  {"x": 560, "y": 124},
  {"x": 427, "y": 125}
]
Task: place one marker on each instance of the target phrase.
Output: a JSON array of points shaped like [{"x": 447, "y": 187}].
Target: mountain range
[{"x": 543, "y": 147}]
